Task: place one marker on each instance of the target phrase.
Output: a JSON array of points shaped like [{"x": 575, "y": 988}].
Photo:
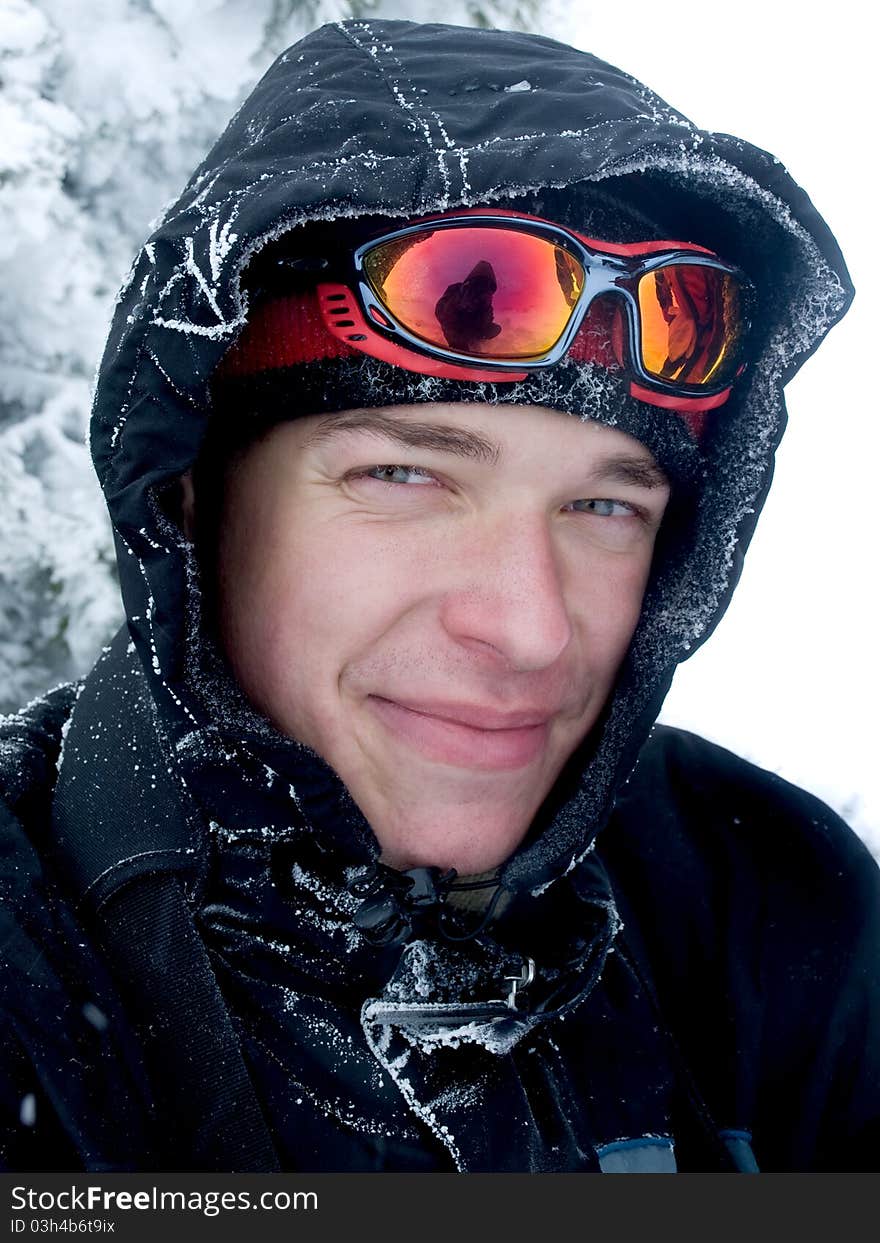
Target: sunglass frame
[{"x": 604, "y": 272}]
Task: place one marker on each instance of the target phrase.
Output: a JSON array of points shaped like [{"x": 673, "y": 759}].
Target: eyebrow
[
  {"x": 640, "y": 472},
  {"x": 632, "y": 469},
  {"x": 453, "y": 440}
]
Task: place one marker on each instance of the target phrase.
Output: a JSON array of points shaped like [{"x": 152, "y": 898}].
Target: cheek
[
  {"x": 303, "y": 601},
  {"x": 610, "y": 595},
  {"x": 337, "y": 590},
  {"x": 260, "y": 571}
]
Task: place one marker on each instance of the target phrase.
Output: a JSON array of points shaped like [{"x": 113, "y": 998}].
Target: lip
[{"x": 465, "y": 735}]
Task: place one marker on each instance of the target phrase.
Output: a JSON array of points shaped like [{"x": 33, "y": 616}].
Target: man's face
[{"x": 436, "y": 599}]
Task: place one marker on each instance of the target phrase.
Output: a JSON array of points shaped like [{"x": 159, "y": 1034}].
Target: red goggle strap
[{"x": 345, "y": 321}]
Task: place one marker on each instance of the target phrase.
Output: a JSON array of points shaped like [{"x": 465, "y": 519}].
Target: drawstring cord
[{"x": 392, "y": 903}]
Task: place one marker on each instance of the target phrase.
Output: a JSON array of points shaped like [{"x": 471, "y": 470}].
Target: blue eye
[
  {"x": 399, "y": 474},
  {"x": 604, "y": 507}
]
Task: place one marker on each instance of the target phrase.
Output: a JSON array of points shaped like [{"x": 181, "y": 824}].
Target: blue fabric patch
[
  {"x": 739, "y": 1145},
  {"x": 649, "y": 1154}
]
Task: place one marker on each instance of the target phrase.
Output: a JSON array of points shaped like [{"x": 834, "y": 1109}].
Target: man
[{"x": 433, "y": 422}]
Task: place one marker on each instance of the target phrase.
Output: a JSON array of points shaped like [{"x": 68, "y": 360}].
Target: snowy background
[{"x": 105, "y": 108}]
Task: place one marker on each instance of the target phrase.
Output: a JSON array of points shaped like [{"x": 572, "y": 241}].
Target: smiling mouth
[{"x": 464, "y": 736}]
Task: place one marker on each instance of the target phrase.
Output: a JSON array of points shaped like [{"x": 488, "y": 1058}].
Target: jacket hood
[{"x": 398, "y": 119}]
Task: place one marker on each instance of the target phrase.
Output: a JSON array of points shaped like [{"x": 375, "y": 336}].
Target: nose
[{"x": 509, "y": 595}]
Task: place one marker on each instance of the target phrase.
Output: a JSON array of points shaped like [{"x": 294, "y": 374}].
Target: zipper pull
[{"x": 519, "y": 983}]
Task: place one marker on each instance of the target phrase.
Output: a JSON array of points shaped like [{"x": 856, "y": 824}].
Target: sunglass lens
[
  {"x": 693, "y": 324},
  {"x": 480, "y": 291}
]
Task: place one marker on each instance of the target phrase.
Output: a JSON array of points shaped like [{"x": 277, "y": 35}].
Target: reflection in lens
[
  {"x": 491, "y": 290},
  {"x": 465, "y": 312},
  {"x": 691, "y": 324}
]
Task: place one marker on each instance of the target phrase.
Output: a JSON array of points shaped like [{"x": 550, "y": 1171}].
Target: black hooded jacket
[{"x": 185, "y": 983}]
